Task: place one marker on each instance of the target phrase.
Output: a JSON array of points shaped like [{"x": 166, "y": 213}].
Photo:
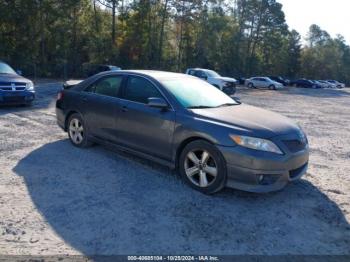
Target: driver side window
[{"x": 139, "y": 90}]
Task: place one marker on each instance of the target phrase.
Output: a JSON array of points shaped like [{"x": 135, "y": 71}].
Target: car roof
[{"x": 151, "y": 73}]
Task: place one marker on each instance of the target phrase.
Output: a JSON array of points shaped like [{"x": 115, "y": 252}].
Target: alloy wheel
[
  {"x": 200, "y": 168},
  {"x": 76, "y": 131}
]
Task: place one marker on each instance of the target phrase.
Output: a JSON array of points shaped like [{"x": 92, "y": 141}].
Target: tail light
[{"x": 60, "y": 95}]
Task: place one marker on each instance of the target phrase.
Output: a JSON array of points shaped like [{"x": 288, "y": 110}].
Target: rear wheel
[
  {"x": 77, "y": 131},
  {"x": 203, "y": 167}
]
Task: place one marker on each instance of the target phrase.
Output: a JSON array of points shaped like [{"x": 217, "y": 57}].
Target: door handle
[
  {"x": 124, "y": 109},
  {"x": 85, "y": 99}
]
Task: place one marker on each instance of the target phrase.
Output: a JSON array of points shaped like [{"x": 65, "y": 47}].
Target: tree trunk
[
  {"x": 160, "y": 48},
  {"x": 114, "y": 7}
]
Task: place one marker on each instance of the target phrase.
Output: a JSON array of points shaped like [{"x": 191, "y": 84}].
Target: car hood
[
  {"x": 249, "y": 120},
  {"x": 12, "y": 78},
  {"x": 228, "y": 79}
]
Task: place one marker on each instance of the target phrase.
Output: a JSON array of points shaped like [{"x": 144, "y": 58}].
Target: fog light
[{"x": 267, "y": 179}]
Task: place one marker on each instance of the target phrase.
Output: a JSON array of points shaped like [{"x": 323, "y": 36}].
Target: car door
[
  {"x": 141, "y": 127},
  {"x": 257, "y": 82},
  {"x": 101, "y": 106},
  {"x": 263, "y": 82}
]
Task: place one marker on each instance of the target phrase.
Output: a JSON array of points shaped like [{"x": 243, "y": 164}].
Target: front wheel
[
  {"x": 203, "y": 167},
  {"x": 77, "y": 131},
  {"x": 272, "y": 87},
  {"x": 250, "y": 85}
]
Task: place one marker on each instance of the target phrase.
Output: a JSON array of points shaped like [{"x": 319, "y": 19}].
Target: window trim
[
  {"x": 119, "y": 93},
  {"x": 171, "y": 108}
]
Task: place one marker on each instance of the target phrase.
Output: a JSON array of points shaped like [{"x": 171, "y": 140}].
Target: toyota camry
[{"x": 187, "y": 124}]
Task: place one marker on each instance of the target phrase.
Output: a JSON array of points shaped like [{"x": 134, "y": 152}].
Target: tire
[
  {"x": 77, "y": 131},
  {"x": 250, "y": 85},
  {"x": 295, "y": 85},
  {"x": 272, "y": 87},
  {"x": 203, "y": 167}
]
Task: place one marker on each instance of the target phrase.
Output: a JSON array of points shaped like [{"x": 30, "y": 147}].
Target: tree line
[{"x": 55, "y": 38}]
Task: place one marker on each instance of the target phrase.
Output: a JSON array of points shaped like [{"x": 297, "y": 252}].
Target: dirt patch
[{"x": 57, "y": 199}]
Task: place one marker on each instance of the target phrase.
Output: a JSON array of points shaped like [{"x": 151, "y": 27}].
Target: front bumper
[
  {"x": 261, "y": 172},
  {"x": 16, "y": 97}
]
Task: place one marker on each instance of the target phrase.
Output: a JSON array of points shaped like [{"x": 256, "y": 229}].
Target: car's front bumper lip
[
  {"x": 16, "y": 97},
  {"x": 245, "y": 168}
]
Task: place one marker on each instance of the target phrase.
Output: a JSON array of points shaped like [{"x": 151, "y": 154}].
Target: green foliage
[{"x": 50, "y": 38}]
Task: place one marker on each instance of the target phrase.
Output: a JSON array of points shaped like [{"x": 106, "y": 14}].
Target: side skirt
[{"x": 118, "y": 147}]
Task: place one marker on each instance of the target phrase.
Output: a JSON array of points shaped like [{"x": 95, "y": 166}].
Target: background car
[
  {"x": 263, "y": 82},
  {"x": 320, "y": 84},
  {"x": 92, "y": 69},
  {"x": 327, "y": 84},
  {"x": 241, "y": 80},
  {"x": 336, "y": 83},
  {"x": 225, "y": 84},
  {"x": 317, "y": 84},
  {"x": 303, "y": 83},
  {"x": 14, "y": 89},
  {"x": 280, "y": 79}
]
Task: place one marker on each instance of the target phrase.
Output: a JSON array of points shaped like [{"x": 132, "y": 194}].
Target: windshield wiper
[{"x": 199, "y": 107}]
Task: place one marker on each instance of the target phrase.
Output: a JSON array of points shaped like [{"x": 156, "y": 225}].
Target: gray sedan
[{"x": 185, "y": 123}]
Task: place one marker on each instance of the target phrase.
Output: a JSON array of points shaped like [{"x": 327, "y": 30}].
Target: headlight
[
  {"x": 30, "y": 86},
  {"x": 256, "y": 143}
]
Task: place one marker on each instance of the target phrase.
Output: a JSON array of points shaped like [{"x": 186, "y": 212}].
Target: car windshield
[
  {"x": 212, "y": 73},
  {"x": 196, "y": 93},
  {"x": 6, "y": 69}
]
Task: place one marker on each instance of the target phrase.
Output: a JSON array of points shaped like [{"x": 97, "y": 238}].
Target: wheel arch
[
  {"x": 68, "y": 115},
  {"x": 184, "y": 143}
]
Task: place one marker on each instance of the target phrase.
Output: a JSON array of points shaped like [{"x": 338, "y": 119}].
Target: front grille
[
  {"x": 294, "y": 145},
  {"x": 12, "y": 86}
]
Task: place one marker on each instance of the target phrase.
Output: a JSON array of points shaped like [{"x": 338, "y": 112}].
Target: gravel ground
[{"x": 57, "y": 199}]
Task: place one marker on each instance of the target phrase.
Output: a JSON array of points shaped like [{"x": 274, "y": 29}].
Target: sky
[{"x": 331, "y": 15}]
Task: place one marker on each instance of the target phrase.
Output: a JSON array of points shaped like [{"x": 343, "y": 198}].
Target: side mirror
[
  {"x": 204, "y": 77},
  {"x": 157, "y": 102},
  {"x": 19, "y": 72}
]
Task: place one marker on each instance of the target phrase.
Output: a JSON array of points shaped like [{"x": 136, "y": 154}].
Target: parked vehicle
[
  {"x": 185, "y": 123},
  {"x": 225, "y": 84},
  {"x": 327, "y": 84},
  {"x": 92, "y": 69},
  {"x": 317, "y": 84},
  {"x": 241, "y": 80},
  {"x": 280, "y": 80},
  {"x": 303, "y": 83},
  {"x": 336, "y": 83},
  {"x": 320, "y": 84},
  {"x": 14, "y": 89},
  {"x": 263, "y": 82}
]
